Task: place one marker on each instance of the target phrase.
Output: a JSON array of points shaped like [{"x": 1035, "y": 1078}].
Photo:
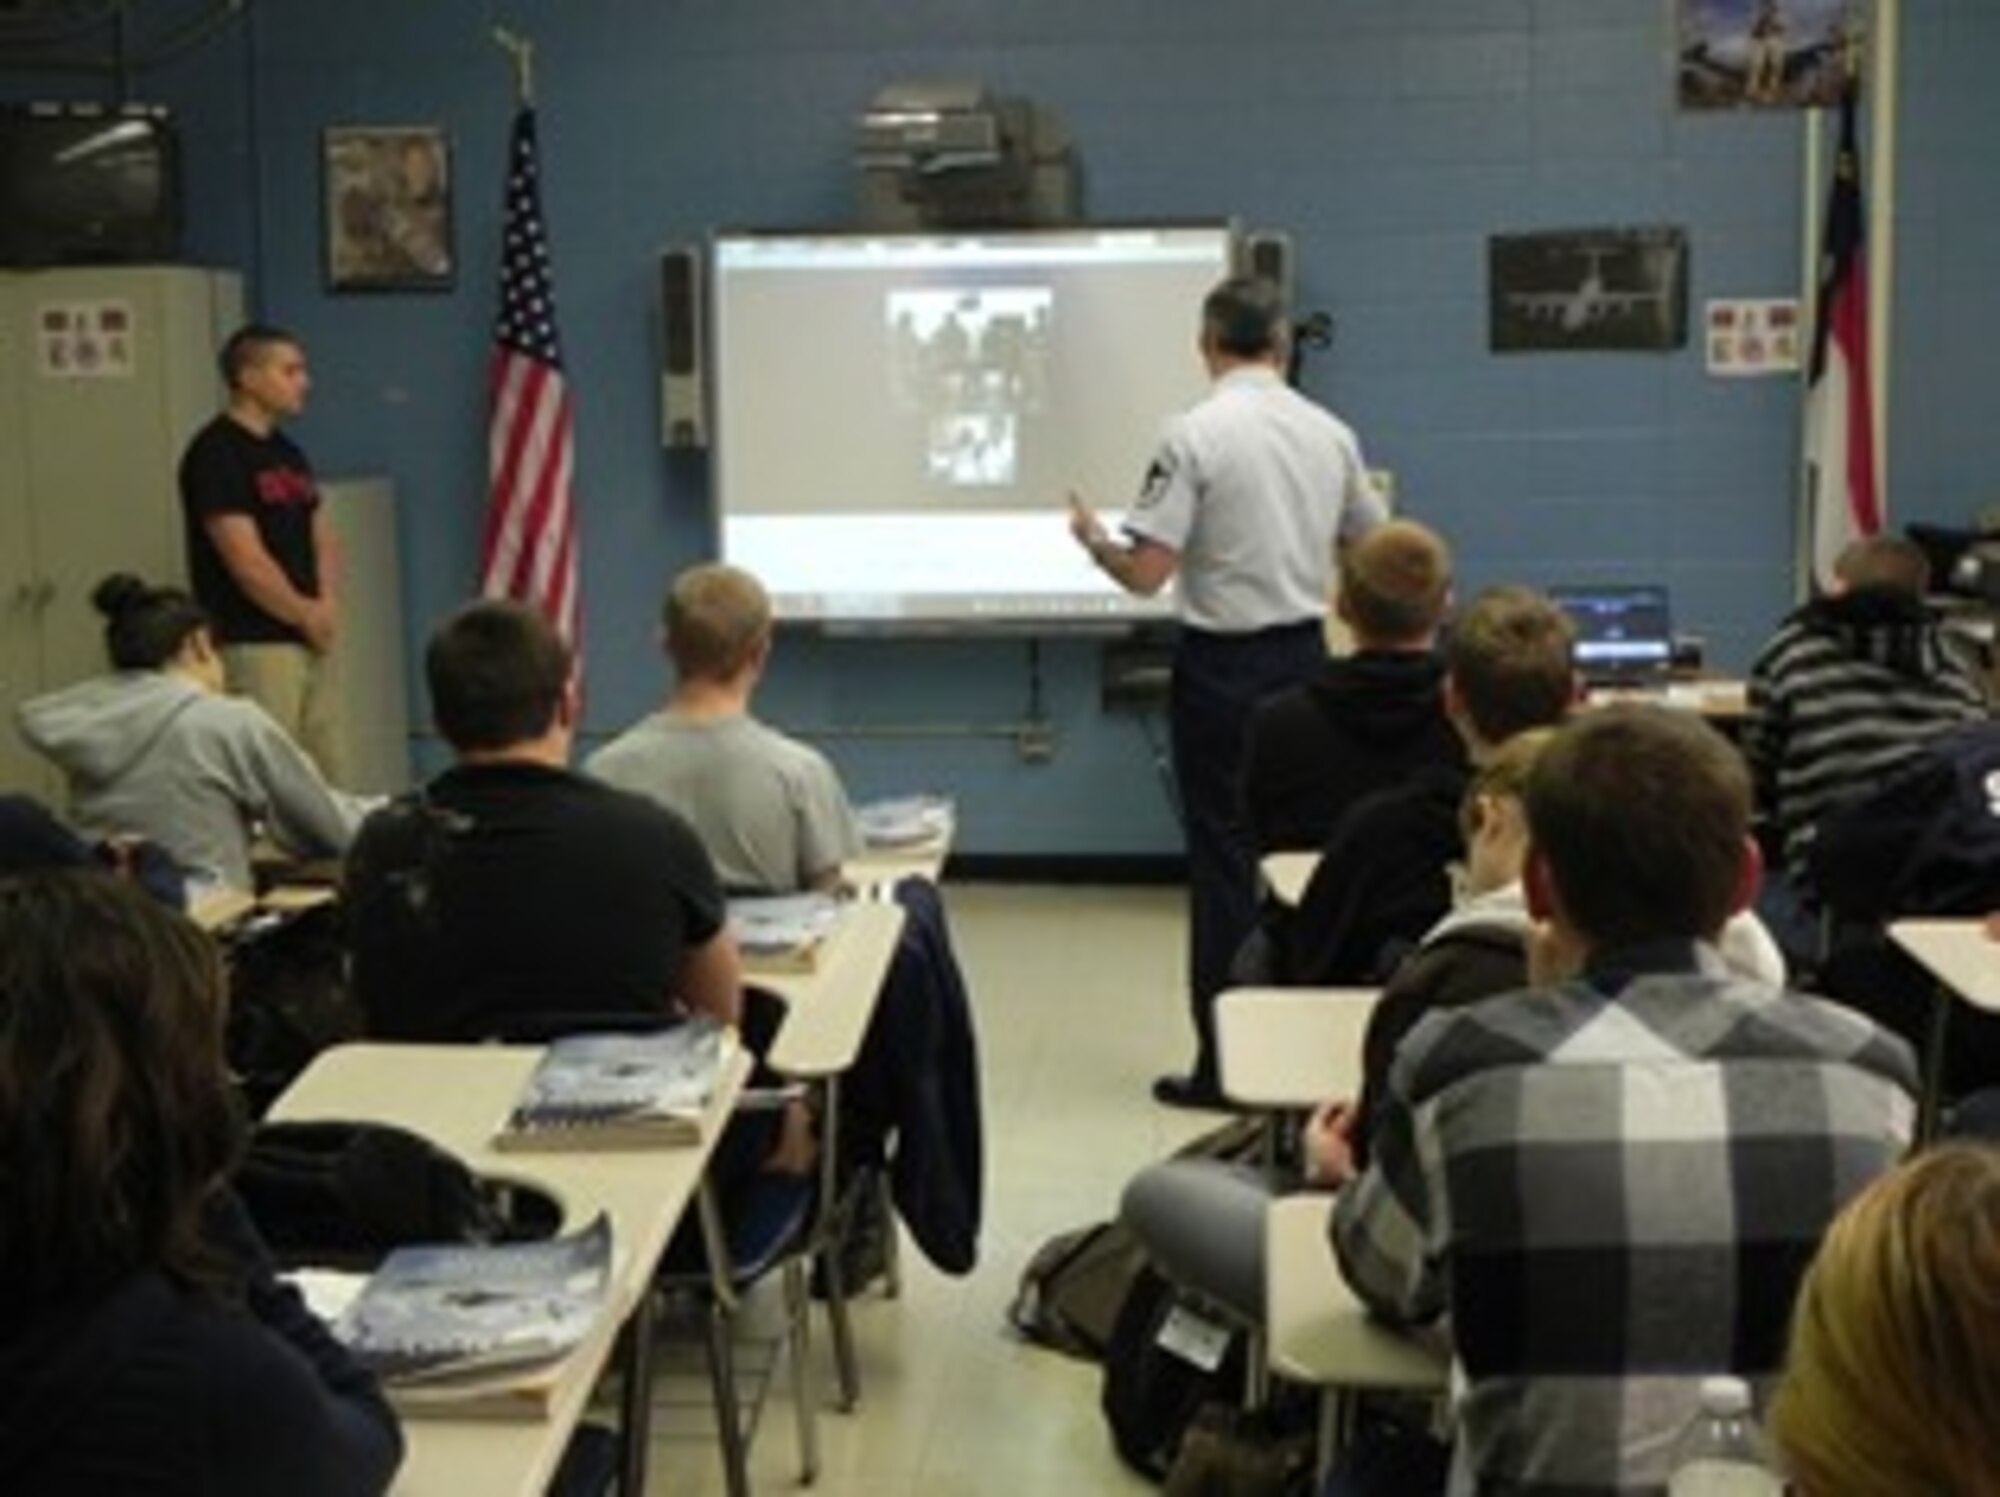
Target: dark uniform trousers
[{"x": 1218, "y": 680}]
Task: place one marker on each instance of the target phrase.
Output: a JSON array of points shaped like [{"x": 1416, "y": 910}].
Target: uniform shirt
[
  {"x": 1253, "y": 487},
  {"x": 229, "y": 470},
  {"x": 1612, "y": 1188},
  {"x": 552, "y": 894},
  {"x": 769, "y": 809}
]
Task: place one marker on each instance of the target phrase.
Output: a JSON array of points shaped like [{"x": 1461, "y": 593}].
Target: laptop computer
[{"x": 1624, "y": 633}]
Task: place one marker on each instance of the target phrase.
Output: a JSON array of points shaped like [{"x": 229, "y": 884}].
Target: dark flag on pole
[
  {"x": 1842, "y": 504},
  {"x": 530, "y": 547}
]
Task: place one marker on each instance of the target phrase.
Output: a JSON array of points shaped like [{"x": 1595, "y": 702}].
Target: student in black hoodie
[
  {"x": 1365, "y": 720},
  {"x": 1381, "y": 880},
  {"x": 146, "y": 1347}
]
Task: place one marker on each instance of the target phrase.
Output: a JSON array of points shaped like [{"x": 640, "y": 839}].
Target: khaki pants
[{"x": 297, "y": 687}]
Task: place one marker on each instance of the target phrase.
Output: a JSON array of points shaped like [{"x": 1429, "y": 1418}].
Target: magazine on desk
[
  {"x": 783, "y": 932},
  {"x": 479, "y": 1331},
  {"x": 906, "y": 821},
  {"x": 620, "y": 1091}
]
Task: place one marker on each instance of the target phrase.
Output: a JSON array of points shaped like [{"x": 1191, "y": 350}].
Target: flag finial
[{"x": 522, "y": 52}]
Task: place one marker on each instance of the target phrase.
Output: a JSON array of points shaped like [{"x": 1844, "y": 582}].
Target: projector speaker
[{"x": 684, "y": 381}]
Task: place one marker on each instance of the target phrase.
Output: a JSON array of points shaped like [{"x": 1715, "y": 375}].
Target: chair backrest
[{"x": 1291, "y": 1047}]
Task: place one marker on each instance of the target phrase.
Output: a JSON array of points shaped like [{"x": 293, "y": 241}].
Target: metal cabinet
[{"x": 104, "y": 375}]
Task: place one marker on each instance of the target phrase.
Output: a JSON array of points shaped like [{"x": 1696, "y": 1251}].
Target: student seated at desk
[
  {"x": 145, "y": 1344},
  {"x": 1363, "y": 721},
  {"x": 517, "y": 886},
  {"x": 1381, "y": 879},
  {"x": 1204, "y": 1219},
  {"x": 518, "y": 893},
  {"x": 776, "y": 819},
  {"x": 156, "y": 750},
  {"x": 1610, "y": 1183},
  {"x": 770, "y": 810},
  {"x": 1850, "y": 687}
]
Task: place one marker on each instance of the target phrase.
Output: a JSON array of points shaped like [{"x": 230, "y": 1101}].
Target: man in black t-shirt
[
  {"x": 261, "y": 554},
  {"x": 521, "y": 891}
]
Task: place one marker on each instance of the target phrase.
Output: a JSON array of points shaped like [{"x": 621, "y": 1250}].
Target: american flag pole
[{"x": 530, "y": 548}]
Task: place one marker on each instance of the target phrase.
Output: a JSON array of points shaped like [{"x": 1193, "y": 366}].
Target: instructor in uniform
[
  {"x": 261, "y": 554},
  {"x": 1246, "y": 501}
]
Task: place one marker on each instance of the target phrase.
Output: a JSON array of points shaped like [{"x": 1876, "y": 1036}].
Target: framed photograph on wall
[
  {"x": 387, "y": 208},
  {"x": 1574, "y": 290},
  {"x": 1768, "y": 54}
]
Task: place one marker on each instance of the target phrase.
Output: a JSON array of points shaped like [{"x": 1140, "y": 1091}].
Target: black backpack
[
  {"x": 1071, "y": 1291},
  {"x": 341, "y": 1194},
  {"x": 288, "y": 997},
  {"x": 1155, "y": 1382}
]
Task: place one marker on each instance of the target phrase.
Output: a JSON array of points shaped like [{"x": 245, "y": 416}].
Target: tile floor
[{"x": 1078, "y": 995}]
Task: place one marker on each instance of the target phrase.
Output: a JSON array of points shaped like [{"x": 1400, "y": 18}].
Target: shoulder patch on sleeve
[{"x": 1159, "y": 473}]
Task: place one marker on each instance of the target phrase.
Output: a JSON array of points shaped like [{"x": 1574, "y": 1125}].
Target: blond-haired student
[{"x": 1892, "y": 1386}]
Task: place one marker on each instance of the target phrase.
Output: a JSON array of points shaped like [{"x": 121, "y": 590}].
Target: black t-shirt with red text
[{"x": 229, "y": 470}]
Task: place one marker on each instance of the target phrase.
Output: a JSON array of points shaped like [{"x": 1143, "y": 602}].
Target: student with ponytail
[{"x": 154, "y": 748}]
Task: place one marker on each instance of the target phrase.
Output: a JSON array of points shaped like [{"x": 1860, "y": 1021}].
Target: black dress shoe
[{"x": 1189, "y": 1091}]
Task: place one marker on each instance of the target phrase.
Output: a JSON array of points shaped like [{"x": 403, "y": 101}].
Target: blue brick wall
[{"x": 1388, "y": 136}]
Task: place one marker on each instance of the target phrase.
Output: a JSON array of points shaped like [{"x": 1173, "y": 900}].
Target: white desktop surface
[
  {"x": 1319, "y": 1332},
  {"x": 1287, "y": 874},
  {"x": 1958, "y": 953},
  {"x": 456, "y": 1096},
  {"x": 828, "y": 1009}
]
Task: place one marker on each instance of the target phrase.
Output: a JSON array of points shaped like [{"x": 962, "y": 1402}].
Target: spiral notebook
[{"x": 619, "y": 1091}]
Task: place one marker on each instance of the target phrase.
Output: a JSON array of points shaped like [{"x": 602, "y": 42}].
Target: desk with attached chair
[{"x": 456, "y": 1096}]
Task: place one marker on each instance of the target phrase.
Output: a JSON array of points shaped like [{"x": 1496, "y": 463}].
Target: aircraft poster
[{"x": 1587, "y": 289}]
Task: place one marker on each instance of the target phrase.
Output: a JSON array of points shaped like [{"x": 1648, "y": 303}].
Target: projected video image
[
  {"x": 972, "y": 361},
  {"x": 971, "y": 448},
  {"x": 899, "y": 416}
]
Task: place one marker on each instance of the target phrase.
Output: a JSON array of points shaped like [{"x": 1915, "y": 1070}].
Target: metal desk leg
[
  {"x": 635, "y": 1418},
  {"x": 1931, "y": 1102}
]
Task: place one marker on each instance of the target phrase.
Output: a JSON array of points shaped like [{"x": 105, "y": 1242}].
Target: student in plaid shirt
[{"x": 1611, "y": 1183}]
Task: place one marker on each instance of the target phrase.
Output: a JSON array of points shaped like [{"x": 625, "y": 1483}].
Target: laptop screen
[{"x": 1621, "y": 632}]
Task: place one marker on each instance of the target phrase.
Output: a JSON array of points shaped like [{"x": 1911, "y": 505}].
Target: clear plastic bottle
[{"x": 1723, "y": 1453}]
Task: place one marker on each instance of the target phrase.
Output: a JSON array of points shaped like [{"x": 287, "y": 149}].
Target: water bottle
[{"x": 1723, "y": 1453}]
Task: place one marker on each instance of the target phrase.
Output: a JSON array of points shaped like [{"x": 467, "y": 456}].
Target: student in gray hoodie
[{"x": 155, "y": 749}]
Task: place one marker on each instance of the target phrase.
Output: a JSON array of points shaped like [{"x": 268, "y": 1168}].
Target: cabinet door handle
[{"x": 45, "y": 594}]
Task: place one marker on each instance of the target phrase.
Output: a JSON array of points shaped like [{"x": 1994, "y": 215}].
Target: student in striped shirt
[{"x": 1851, "y": 685}]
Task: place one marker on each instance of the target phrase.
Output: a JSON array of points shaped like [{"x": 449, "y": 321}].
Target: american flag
[{"x": 530, "y": 548}]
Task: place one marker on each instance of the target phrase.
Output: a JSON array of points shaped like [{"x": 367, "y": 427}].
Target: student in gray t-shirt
[{"x": 770, "y": 809}]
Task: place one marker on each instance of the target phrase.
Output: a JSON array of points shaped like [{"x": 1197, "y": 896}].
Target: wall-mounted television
[
  {"x": 899, "y": 417},
  {"x": 88, "y": 186}
]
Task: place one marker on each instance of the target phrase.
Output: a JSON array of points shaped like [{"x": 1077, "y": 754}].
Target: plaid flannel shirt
[{"x": 1612, "y": 1188}]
